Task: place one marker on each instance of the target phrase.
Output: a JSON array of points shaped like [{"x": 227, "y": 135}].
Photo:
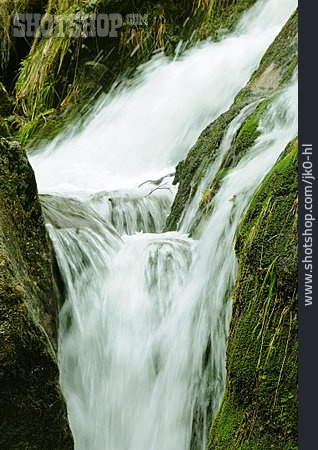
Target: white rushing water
[
  {"x": 141, "y": 131},
  {"x": 143, "y": 327}
]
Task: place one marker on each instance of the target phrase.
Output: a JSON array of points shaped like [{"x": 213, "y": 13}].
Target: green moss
[
  {"x": 259, "y": 409},
  {"x": 248, "y": 133}
]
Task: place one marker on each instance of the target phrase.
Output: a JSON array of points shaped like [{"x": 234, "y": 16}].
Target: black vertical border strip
[{"x": 308, "y": 166}]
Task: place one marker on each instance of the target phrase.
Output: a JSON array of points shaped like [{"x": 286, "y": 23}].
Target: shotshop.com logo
[{"x": 73, "y": 25}]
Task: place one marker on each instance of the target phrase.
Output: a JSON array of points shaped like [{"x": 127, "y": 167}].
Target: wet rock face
[
  {"x": 259, "y": 409},
  {"x": 32, "y": 409}
]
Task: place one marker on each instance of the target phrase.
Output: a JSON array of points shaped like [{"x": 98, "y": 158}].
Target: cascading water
[
  {"x": 142, "y": 130},
  {"x": 135, "y": 211},
  {"x": 143, "y": 327}
]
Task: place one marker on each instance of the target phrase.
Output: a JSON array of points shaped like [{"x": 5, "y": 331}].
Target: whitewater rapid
[{"x": 144, "y": 323}]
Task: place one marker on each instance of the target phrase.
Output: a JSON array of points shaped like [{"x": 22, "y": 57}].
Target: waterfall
[
  {"x": 143, "y": 129},
  {"x": 144, "y": 322},
  {"x": 135, "y": 210}
]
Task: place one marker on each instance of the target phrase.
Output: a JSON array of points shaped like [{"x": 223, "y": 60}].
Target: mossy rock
[
  {"x": 274, "y": 71},
  {"x": 259, "y": 409},
  {"x": 33, "y": 412}
]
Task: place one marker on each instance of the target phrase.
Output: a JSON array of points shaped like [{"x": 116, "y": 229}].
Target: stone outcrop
[{"x": 32, "y": 409}]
